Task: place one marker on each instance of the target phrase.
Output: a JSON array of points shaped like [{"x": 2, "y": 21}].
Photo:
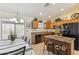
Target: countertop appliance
[{"x": 72, "y": 30}]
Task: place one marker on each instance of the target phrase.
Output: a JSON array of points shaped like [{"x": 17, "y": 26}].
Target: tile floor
[{"x": 38, "y": 49}]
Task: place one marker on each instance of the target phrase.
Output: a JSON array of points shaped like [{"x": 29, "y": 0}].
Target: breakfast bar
[{"x": 60, "y": 45}]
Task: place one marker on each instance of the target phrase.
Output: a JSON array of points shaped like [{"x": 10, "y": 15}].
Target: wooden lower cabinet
[
  {"x": 33, "y": 37},
  {"x": 40, "y": 37},
  {"x": 36, "y": 38}
]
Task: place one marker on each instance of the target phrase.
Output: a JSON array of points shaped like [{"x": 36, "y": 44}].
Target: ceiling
[{"x": 34, "y": 9}]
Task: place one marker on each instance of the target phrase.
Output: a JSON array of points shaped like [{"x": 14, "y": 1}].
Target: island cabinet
[{"x": 60, "y": 45}]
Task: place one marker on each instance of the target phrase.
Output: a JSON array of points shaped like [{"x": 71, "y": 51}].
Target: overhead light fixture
[
  {"x": 49, "y": 16},
  {"x": 40, "y": 13},
  {"x": 14, "y": 19},
  {"x": 17, "y": 19},
  {"x": 62, "y": 9},
  {"x": 21, "y": 21}
]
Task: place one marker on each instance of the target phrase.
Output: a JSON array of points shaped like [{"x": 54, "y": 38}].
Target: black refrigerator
[{"x": 72, "y": 30}]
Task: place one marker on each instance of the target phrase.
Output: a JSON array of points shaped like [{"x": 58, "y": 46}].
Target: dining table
[{"x": 7, "y": 45}]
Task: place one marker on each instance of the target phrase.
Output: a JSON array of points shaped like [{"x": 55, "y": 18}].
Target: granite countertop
[
  {"x": 41, "y": 32},
  {"x": 60, "y": 38}
]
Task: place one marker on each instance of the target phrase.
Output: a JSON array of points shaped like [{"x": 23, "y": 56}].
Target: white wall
[{"x": 28, "y": 29}]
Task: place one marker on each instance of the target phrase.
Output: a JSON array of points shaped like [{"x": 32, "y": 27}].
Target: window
[{"x": 6, "y": 28}]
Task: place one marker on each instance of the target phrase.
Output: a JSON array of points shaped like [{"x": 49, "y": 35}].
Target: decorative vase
[{"x": 12, "y": 39}]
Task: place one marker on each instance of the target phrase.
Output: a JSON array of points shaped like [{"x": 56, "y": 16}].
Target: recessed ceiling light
[
  {"x": 40, "y": 13},
  {"x": 62, "y": 9},
  {"x": 49, "y": 16}
]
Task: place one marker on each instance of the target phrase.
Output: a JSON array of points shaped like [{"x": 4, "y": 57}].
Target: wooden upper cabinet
[
  {"x": 35, "y": 24},
  {"x": 65, "y": 21},
  {"x": 48, "y": 24}
]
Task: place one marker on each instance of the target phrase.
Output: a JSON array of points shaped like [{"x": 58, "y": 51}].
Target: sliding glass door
[{"x": 7, "y": 27}]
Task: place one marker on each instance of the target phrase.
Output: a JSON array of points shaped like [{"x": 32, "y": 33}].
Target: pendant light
[
  {"x": 21, "y": 20},
  {"x": 17, "y": 19}
]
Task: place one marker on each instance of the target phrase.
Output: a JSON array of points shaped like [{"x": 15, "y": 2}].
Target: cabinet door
[
  {"x": 35, "y": 24},
  {"x": 33, "y": 37},
  {"x": 48, "y": 25}
]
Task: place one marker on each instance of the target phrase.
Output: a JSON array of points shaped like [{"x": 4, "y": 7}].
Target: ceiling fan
[{"x": 46, "y": 4}]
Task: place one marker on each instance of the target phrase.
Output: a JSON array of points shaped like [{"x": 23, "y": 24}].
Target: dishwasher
[{"x": 37, "y": 38}]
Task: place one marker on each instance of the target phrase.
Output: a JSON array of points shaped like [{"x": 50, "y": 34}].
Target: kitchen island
[{"x": 60, "y": 45}]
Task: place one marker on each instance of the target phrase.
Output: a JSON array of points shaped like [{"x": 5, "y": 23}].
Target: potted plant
[
  {"x": 12, "y": 36},
  {"x": 58, "y": 19}
]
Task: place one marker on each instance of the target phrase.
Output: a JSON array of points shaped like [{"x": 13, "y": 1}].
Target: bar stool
[
  {"x": 45, "y": 43},
  {"x": 49, "y": 45},
  {"x": 57, "y": 49},
  {"x": 63, "y": 50}
]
